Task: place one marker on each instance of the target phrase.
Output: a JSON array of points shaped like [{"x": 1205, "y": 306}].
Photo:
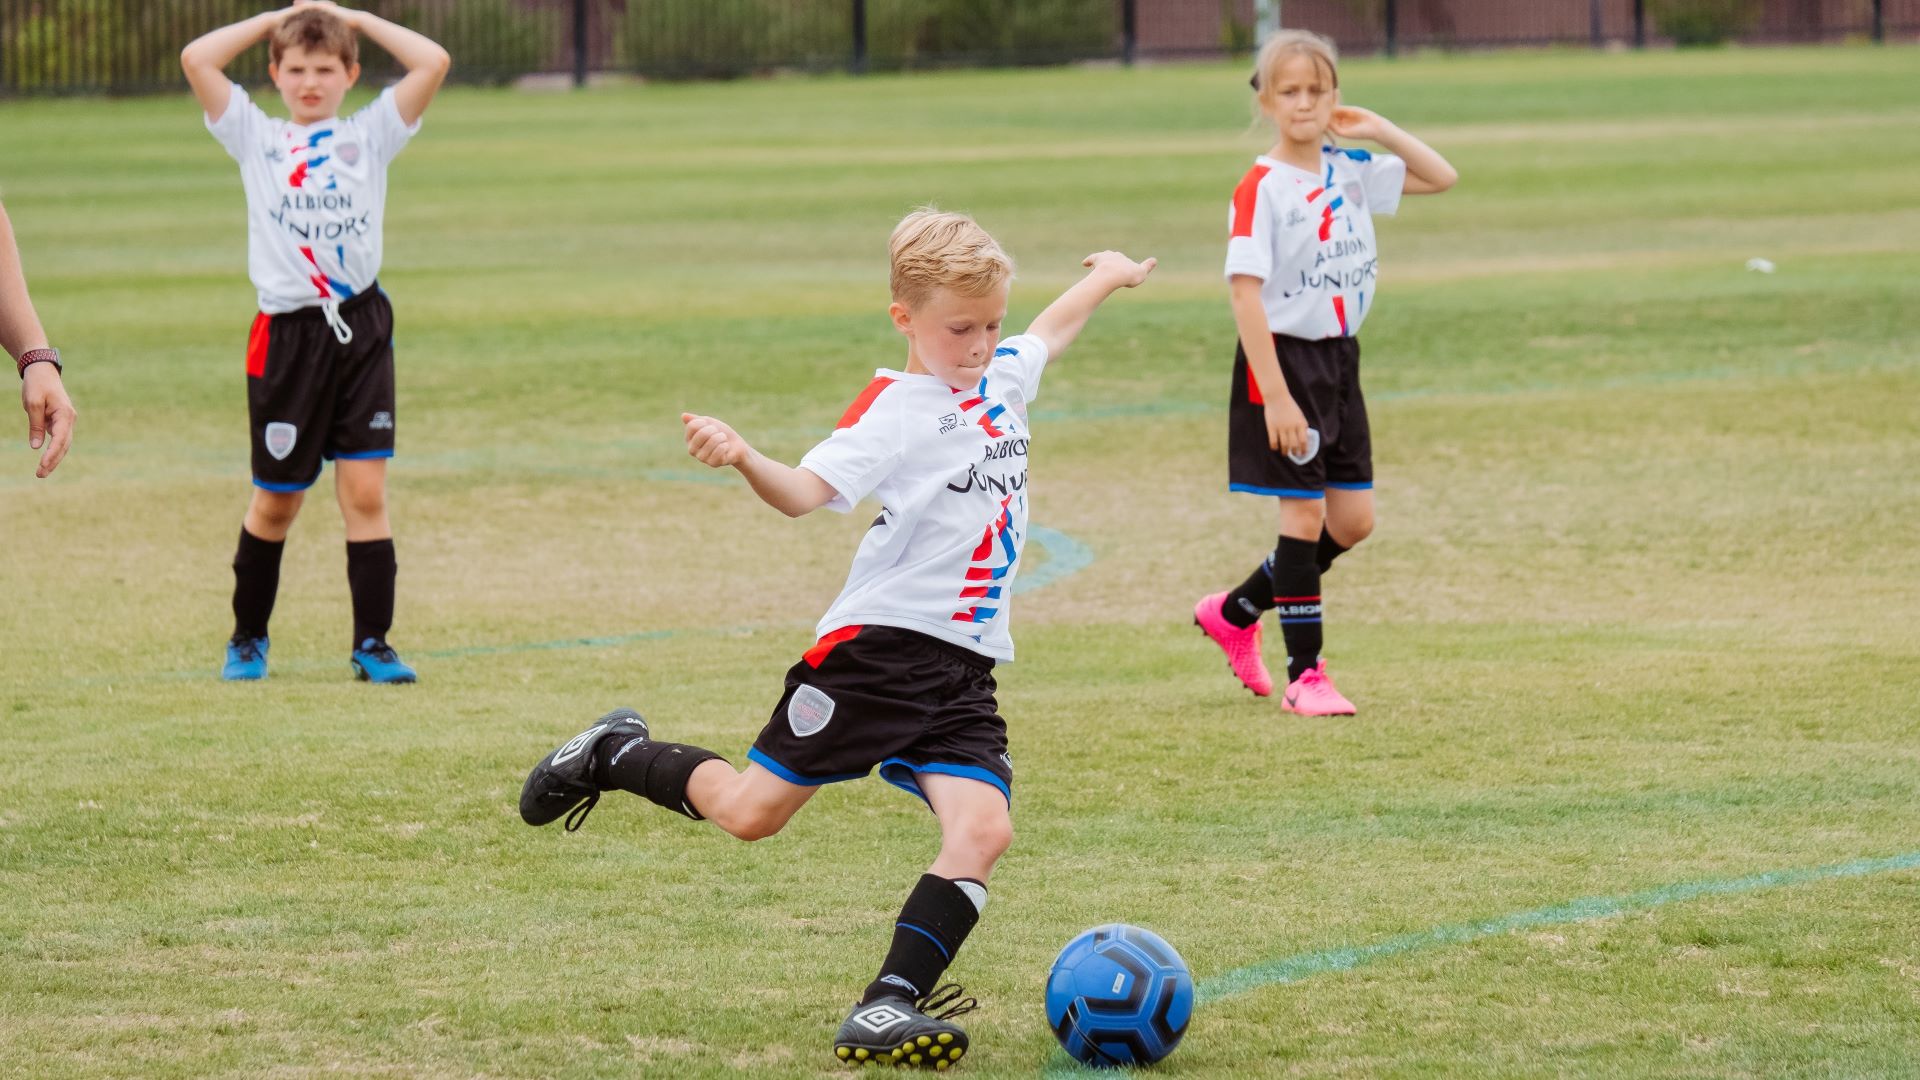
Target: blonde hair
[
  {"x": 316, "y": 31},
  {"x": 1274, "y": 55},
  {"x": 935, "y": 250}
]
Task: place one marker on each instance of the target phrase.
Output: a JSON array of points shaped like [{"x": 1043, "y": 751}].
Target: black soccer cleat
[
  {"x": 899, "y": 1033},
  {"x": 562, "y": 784}
]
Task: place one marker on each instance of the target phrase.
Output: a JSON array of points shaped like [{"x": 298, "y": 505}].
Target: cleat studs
[
  {"x": 957, "y": 1051},
  {"x": 935, "y": 1052},
  {"x": 861, "y": 1053},
  {"x": 924, "y": 1041},
  {"x": 844, "y": 1052},
  {"x": 946, "y": 1037},
  {"x": 916, "y": 1059},
  {"x": 941, "y": 1066}
]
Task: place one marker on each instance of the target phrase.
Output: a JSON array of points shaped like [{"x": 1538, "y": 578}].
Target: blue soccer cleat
[
  {"x": 246, "y": 659},
  {"x": 376, "y": 662}
]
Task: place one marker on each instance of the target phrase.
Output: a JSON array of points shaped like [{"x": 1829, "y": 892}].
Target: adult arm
[{"x": 50, "y": 414}]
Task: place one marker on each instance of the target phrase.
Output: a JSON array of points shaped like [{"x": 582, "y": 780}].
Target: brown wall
[{"x": 1188, "y": 27}]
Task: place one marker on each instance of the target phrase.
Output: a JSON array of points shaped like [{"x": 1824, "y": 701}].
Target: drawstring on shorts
[{"x": 341, "y": 331}]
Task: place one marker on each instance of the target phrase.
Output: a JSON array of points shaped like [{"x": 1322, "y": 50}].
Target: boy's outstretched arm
[
  {"x": 206, "y": 57},
  {"x": 1064, "y": 318},
  {"x": 791, "y": 491},
  {"x": 426, "y": 62}
]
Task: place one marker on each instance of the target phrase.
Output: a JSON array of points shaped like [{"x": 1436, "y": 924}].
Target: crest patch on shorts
[
  {"x": 279, "y": 437},
  {"x": 808, "y": 710}
]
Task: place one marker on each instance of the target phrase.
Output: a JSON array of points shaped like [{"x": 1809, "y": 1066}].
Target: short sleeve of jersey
[
  {"x": 1384, "y": 177},
  {"x": 381, "y": 121},
  {"x": 862, "y": 450},
  {"x": 1250, "y": 227},
  {"x": 239, "y": 125},
  {"x": 1019, "y": 362}
]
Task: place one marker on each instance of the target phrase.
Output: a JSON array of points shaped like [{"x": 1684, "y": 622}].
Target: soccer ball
[{"x": 1119, "y": 995}]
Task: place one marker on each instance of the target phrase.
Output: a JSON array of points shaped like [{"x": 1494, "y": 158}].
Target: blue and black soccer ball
[{"x": 1119, "y": 995}]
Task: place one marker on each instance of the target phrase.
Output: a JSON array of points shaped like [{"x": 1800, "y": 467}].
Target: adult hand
[{"x": 49, "y": 415}]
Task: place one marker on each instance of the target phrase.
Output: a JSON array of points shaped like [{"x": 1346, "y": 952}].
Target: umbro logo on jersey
[
  {"x": 273, "y": 153},
  {"x": 879, "y": 1017},
  {"x": 949, "y": 422},
  {"x": 1296, "y": 218}
]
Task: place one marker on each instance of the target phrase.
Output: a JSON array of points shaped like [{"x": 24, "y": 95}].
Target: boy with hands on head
[
  {"x": 320, "y": 353},
  {"x": 901, "y": 676}
]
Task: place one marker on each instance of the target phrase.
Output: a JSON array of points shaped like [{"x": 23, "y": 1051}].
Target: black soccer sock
[
  {"x": 1254, "y": 598},
  {"x": 933, "y": 924},
  {"x": 1296, "y": 592},
  {"x": 655, "y": 771},
  {"x": 256, "y": 581},
  {"x": 1329, "y": 550},
  {"x": 370, "y": 574}
]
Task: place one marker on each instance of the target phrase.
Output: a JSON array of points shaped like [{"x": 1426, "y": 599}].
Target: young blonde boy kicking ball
[{"x": 901, "y": 677}]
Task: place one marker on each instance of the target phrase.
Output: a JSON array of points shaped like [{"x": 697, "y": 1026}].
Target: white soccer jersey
[
  {"x": 1309, "y": 238},
  {"x": 950, "y": 470},
  {"x": 316, "y": 198}
]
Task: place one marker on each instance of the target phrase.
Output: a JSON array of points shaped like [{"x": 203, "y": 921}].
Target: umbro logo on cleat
[
  {"x": 577, "y": 744},
  {"x": 879, "y": 1017}
]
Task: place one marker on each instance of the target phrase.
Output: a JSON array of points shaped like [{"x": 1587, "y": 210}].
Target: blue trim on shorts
[
  {"x": 365, "y": 455},
  {"x": 268, "y": 485},
  {"x": 792, "y": 777},
  {"x": 1285, "y": 493},
  {"x": 274, "y": 485},
  {"x": 970, "y": 772},
  {"x": 1344, "y": 485}
]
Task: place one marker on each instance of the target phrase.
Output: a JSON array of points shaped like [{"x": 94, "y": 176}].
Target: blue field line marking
[
  {"x": 1293, "y": 969},
  {"x": 1065, "y": 557}
]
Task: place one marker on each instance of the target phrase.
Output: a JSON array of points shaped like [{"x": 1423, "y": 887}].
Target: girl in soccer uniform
[{"x": 1302, "y": 265}]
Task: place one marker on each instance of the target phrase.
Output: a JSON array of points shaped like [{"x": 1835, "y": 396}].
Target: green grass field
[{"x": 1636, "y": 644}]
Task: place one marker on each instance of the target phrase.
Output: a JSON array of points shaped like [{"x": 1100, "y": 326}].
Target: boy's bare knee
[
  {"x": 750, "y": 823},
  {"x": 986, "y": 836},
  {"x": 368, "y": 502}
]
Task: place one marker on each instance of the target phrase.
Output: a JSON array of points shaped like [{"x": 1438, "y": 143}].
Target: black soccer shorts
[
  {"x": 867, "y": 696},
  {"x": 310, "y": 398},
  {"x": 1324, "y": 379}
]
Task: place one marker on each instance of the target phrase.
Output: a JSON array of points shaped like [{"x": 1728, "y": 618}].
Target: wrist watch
[{"x": 40, "y": 356}]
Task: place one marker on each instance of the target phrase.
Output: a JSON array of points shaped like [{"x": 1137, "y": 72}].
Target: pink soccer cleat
[
  {"x": 1312, "y": 694},
  {"x": 1241, "y": 646}
]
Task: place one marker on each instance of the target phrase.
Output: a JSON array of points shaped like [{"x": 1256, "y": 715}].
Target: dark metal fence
[{"x": 130, "y": 46}]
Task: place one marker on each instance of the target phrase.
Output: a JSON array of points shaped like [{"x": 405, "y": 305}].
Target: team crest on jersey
[
  {"x": 280, "y": 438},
  {"x": 808, "y": 710},
  {"x": 1356, "y": 195},
  {"x": 347, "y": 152},
  {"x": 1296, "y": 217}
]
